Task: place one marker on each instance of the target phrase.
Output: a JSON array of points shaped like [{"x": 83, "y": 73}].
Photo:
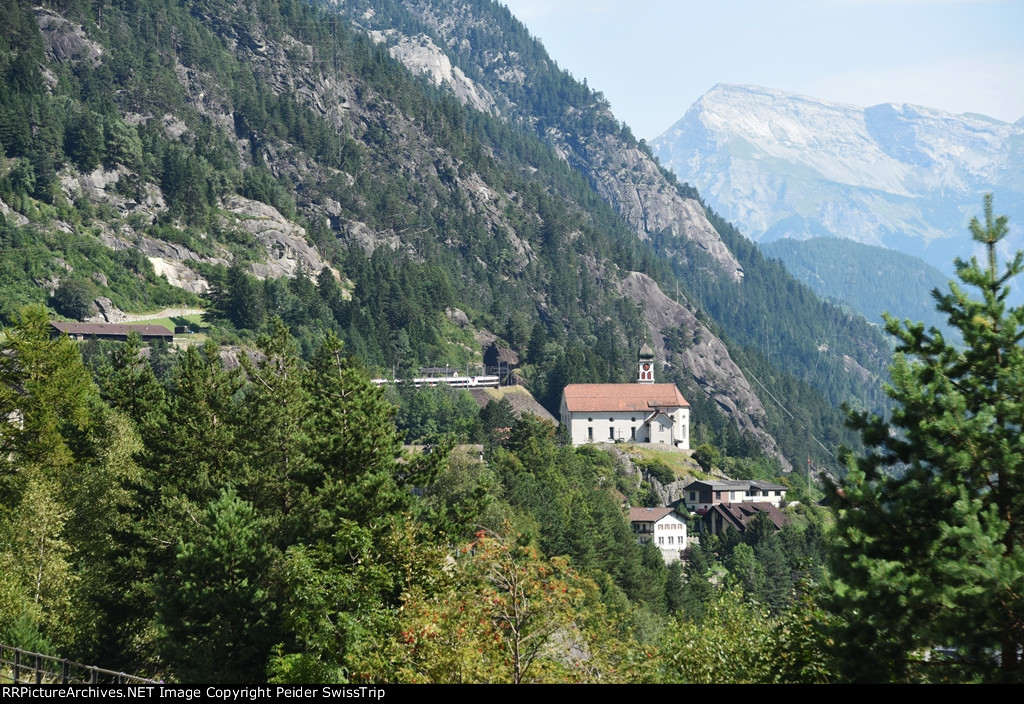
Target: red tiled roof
[
  {"x": 649, "y": 514},
  {"x": 622, "y": 397}
]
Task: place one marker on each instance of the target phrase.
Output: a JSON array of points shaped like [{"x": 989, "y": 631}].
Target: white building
[
  {"x": 641, "y": 412},
  {"x": 700, "y": 495},
  {"x": 663, "y": 527}
]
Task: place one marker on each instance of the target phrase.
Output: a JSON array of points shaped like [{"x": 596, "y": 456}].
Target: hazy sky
[{"x": 653, "y": 58}]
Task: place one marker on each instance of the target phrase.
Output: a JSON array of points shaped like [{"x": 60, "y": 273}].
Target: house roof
[
  {"x": 649, "y": 514},
  {"x": 741, "y": 514},
  {"x": 733, "y": 485},
  {"x": 767, "y": 486},
  {"x": 718, "y": 485},
  {"x": 110, "y": 329},
  {"x": 581, "y": 398}
]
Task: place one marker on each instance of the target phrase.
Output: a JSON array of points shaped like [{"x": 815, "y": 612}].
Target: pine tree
[
  {"x": 929, "y": 561},
  {"x": 216, "y": 605}
]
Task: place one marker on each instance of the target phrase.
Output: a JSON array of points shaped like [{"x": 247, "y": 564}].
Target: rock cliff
[{"x": 705, "y": 360}]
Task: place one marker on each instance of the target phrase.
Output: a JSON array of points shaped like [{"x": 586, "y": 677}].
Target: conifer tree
[{"x": 929, "y": 561}]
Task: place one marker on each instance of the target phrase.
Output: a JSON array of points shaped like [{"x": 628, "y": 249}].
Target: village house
[
  {"x": 721, "y": 517},
  {"x": 642, "y": 412},
  {"x": 701, "y": 495},
  {"x": 663, "y": 527}
]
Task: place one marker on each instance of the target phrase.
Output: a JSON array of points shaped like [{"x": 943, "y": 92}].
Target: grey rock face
[
  {"x": 285, "y": 242},
  {"x": 628, "y": 179},
  {"x": 65, "y": 41},
  {"x": 421, "y": 55},
  {"x": 108, "y": 312},
  {"x": 620, "y": 172},
  {"x": 707, "y": 360}
]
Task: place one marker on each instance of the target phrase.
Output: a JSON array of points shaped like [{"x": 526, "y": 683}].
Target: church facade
[{"x": 643, "y": 412}]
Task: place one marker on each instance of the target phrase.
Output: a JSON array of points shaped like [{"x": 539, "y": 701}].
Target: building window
[
  {"x": 661, "y": 540},
  {"x": 632, "y": 433},
  {"x": 611, "y": 433},
  {"x": 670, "y": 540},
  {"x": 590, "y": 433}
]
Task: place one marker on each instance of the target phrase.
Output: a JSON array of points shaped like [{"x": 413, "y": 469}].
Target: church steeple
[{"x": 645, "y": 365}]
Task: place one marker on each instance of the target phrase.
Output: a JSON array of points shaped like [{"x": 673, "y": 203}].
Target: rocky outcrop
[
  {"x": 420, "y": 55},
  {"x": 180, "y": 275},
  {"x": 65, "y": 41},
  {"x": 620, "y": 171},
  {"x": 705, "y": 359},
  {"x": 288, "y": 253},
  {"x": 101, "y": 186},
  {"x": 11, "y": 215},
  {"x": 626, "y": 466},
  {"x": 108, "y": 312},
  {"x": 629, "y": 179}
]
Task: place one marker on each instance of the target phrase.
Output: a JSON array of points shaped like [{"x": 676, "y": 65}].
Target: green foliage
[
  {"x": 657, "y": 469},
  {"x": 216, "y": 605},
  {"x": 870, "y": 279},
  {"x": 929, "y": 559},
  {"x": 74, "y": 298},
  {"x": 64, "y": 456},
  {"x": 739, "y": 643},
  {"x": 438, "y": 410},
  {"x": 503, "y": 613}
]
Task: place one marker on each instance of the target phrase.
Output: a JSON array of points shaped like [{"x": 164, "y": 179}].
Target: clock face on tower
[{"x": 646, "y": 366}]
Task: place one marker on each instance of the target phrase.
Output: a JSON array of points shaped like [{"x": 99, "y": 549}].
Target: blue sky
[{"x": 653, "y": 58}]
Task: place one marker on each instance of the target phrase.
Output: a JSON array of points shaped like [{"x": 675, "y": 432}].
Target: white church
[{"x": 641, "y": 412}]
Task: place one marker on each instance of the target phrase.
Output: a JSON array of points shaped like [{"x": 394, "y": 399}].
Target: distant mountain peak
[{"x": 898, "y": 175}]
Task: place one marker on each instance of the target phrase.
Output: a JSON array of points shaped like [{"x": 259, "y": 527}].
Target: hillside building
[
  {"x": 723, "y": 517},
  {"x": 643, "y": 412},
  {"x": 109, "y": 331},
  {"x": 663, "y": 527},
  {"x": 702, "y": 494}
]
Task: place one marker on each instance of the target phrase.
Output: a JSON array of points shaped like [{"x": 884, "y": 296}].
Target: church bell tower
[{"x": 645, "y": 365}]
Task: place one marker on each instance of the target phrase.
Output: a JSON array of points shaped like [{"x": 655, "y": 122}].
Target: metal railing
[{"x": 19, "y": 666}]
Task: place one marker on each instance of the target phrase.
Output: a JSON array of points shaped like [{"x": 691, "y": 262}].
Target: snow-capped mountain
[{"x": 900, "y": 176}]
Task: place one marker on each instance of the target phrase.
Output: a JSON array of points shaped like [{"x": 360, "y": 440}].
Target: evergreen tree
[
  {"x": 929, "y": 560},
  {"x": 130, "y": 384},
  {"x": 216, "y": 604}
]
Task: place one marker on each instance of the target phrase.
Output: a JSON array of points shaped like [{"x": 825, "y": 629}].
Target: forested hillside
[
  {"x": 235, "y": 526},
  {"x": 221, "y": 147},
  {"x": 337, "y": 211},
  {"x": 869, "y": 279}
]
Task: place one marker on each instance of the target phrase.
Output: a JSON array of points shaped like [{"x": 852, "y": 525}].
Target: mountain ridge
[
  {"x": 905, "y": 177},
  {"x": 417, "y": 203}
]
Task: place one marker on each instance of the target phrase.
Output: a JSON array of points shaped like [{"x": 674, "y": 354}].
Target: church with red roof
[{"x": 643, "y": 412}]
